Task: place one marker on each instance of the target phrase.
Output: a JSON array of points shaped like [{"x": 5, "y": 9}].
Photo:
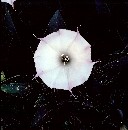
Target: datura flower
[{"x": 63, "y": 59}]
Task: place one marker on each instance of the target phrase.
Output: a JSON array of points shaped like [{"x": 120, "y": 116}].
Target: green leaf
[
  {"x": 2, "y": 76},
  {"x": 13, "y": 88}
]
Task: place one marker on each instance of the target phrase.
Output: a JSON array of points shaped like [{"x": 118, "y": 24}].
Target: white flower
[
  {"x": 63, "y": 59},
  {"x": 11, "y": 2}
]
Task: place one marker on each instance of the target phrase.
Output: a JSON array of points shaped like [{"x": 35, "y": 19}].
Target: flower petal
[
  {"x": 56, "y": 78},
  {"x": 79, "y": 54},
  {"x": 66, "y": 37},
  {"x": 79, "y": 41},
  {"x": 79, "y": 73},
  {"x": 9, "y": 1},
  {"x": 45, "y": 58},
  {"x": 53, "y": 40},
  {"x": 60, "y": 40}
]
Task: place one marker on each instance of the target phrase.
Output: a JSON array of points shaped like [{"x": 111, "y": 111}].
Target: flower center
[{"x": 65, "y": 59}]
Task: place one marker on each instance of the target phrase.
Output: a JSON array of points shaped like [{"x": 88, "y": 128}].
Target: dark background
[{"x": 101, "y": 103}]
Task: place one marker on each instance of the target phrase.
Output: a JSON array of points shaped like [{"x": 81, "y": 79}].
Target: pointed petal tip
[
  {"x": 77, "y": 30},
  {"x": 35, "y": 77}
]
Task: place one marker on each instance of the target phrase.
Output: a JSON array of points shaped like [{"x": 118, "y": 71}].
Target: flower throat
[{"x": 65, "y": 59}]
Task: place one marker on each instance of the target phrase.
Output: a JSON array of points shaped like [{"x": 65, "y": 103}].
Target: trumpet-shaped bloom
[{"x": 63, "y": 59}]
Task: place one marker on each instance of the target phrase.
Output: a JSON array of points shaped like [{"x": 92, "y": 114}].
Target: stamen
[{"x": 65, "y": 59}]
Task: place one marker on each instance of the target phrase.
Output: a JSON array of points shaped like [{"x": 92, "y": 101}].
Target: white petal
[
  {"x": 9, "y": 1},
  {"x": 53, "y": 40},
  {"x": 60, "y": 40},
  {"x": 56, "y": 78},
  {"x": 66, "y": 37},
  {"x": 79, "y": 54},
  {"x": 79, "y": 73},
  {"x": 79, "y": 41},
  {"x": 45, "y": 58}
]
